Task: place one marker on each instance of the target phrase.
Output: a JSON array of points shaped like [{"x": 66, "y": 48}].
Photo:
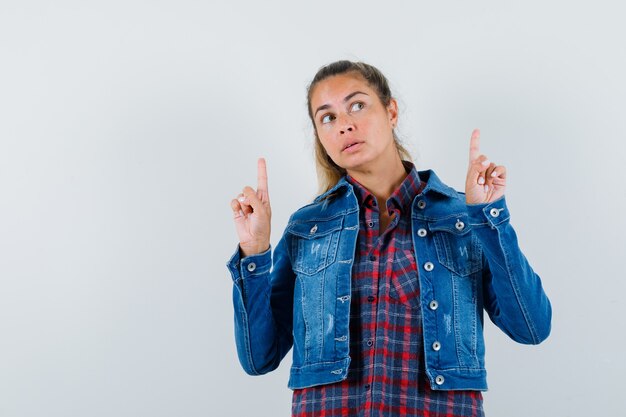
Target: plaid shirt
[{"x": 386, "y": 376}]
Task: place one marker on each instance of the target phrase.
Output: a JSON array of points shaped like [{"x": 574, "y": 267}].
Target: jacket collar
[{"x": 433, "y": 183}]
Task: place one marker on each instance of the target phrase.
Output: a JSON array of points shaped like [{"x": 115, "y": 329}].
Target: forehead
[{"x": 336, "y": 88}]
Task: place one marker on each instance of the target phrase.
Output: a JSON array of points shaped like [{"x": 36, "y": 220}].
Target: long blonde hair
[{"x": 328, "y": 173}]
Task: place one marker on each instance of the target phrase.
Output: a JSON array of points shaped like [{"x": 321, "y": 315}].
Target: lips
[{"x": 352, "y": 145}]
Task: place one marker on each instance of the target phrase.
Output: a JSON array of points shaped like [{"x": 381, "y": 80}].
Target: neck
[{"x": 381, "y": 178}]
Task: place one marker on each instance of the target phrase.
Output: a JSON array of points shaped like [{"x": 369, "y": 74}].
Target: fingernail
[
  {"x": 494, "y": 174},
  {"x": 481, "y": 180},
  {"x": 241, "y": 199},
  {"x": 486, "y": 162}
]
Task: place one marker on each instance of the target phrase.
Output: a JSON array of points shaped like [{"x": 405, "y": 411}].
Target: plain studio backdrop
[{"x": 127, "y": 127}]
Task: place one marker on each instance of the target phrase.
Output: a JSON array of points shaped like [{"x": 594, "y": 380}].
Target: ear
[{"x": 392, "y": 111}]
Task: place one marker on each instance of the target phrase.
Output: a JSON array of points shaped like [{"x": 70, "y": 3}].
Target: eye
[
  {"x": 356, "y": 106},
  {"x": 327, "y": 118}
]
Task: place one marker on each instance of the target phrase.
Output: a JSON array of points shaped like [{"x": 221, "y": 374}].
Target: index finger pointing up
[
  {"x": 474, "y": 151},
  {"x": 262, "y": 180}
]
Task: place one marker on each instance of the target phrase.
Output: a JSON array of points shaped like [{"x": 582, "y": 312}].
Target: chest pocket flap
[
  {"x": 458, "y": 249},
  {"x": 314, "y": 244}
]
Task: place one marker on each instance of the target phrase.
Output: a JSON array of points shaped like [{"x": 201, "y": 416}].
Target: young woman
[{"x": 380, "y": 284}]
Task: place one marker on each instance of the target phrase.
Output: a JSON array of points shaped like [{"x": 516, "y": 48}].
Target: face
[{"x": 354, "y": 127}]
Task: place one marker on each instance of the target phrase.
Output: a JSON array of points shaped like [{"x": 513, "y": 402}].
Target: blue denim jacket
[{"x": 468, "y": 261}]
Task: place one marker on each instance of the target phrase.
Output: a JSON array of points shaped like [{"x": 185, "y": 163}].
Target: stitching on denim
[
  {"x": 455, "y": 319},
  {"x": 516, "y": 290},
  {"x": 246, "y": 338}
]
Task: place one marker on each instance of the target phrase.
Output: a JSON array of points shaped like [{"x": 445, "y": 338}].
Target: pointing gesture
[
  {"x": 485, "y": 181},
  {"x": 252, "y": 213}
]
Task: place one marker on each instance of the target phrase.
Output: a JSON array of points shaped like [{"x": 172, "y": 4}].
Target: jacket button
[
  {"x": 439, "y": 380},
  {"x": 433, "y": 305},
  {"x": 494, "y": 212},
  {"x": 428, "y": 266},
  {"x": 422, "y": 232},
  {"x": 371, "y": 298},
  {"x": 459, "y": 225},
  {"x": 421, "y": 204},
  {"x": 436, "y": 346},
  {"x": 251, "y": 266},
  {"x": 313, "y": 230}
]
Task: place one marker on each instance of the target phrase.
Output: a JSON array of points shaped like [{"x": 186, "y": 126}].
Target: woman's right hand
[{"x": 253, "y": 215}]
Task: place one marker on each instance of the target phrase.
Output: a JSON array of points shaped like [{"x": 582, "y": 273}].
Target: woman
[{"x": 380, "y": 284}]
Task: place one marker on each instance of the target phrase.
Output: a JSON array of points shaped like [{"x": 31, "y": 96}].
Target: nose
[
  {"x": 346, "y": 125},
  {"x": 345, "y": 129}
]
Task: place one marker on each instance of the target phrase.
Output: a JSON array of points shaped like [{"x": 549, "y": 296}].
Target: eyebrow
[{"x": 346, "y": 98}]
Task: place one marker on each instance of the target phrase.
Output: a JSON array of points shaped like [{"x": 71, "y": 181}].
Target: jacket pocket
[
  {"x": 314, "y": 244},
  {"x": 458, "y": 249}
]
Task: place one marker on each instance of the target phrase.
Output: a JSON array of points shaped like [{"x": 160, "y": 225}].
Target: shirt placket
[{"x": 368, "y": 340}]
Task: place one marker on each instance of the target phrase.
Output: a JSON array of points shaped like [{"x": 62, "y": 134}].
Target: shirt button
[
  {"x": 372, "y": 258},
  {"x": 436, "y": 346},
  {"x": 313, "y": 230},
  {"x": 433, "y": 305},
  {"x": 494, "y": 212},
  {"x": 428, "y": 266},
  {"x": 439, "y": 380},
  {"x": 370, "y": 342},
  {"x": 370, "y": 224},
  {"x": 251, "y": 266},
  {"x": 422, "y": 232},
  {"x": 459, "y": 225},
  {"x": 371, "y": 298},
  {"x": 367, "y": 386},
  {"x": 421, "y": 204}
]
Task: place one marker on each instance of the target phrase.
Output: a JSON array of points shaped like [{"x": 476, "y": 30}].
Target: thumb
[{"x": 252, "y": 199}]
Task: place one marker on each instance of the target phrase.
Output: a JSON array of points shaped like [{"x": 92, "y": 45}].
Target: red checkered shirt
[{"x": 387, "y": 373}]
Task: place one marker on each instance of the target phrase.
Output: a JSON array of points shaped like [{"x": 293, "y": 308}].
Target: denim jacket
[{"x": 468, "y": 260}]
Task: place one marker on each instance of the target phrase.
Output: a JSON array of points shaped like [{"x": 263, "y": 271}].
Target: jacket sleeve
[
  {"x": 512, "y": 292},
  {"x": 263, "y": 307}
]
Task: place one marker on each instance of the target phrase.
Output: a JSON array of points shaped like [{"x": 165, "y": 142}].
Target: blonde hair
[{"x": 328, "y": 173}]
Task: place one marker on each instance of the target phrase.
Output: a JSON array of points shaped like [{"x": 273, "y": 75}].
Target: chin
[{"x": 354, "y": 164}]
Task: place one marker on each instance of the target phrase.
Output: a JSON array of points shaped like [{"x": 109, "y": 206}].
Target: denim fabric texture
[{"x": 469, "y": 261}]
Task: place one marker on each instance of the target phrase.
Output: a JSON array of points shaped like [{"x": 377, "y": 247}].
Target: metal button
[
  {"x": 436, "y": 346},
  {"x": 370, "y": 224},
  {"x": 494, "y": 212},
  {"x": 459, "y": 225},
  {"x": 429, "y": 266},
  {"x": 433, "y": 305},
  {"x": 251, "y": 266},
  {"x": 422, "y": 232},
  {"x": 370, "y": 342},
  {"x": 439, "y": 380},
  {"x": 313, "y": 229},
  {"x": 371, "y": 298},
  {"x": 421, "y": 204}
]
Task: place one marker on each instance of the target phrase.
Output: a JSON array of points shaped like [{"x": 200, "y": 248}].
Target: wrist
[{"x": 249, "y": 250}]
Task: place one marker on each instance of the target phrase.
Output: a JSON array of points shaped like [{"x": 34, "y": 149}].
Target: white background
[{"x": 127, "y": 127}]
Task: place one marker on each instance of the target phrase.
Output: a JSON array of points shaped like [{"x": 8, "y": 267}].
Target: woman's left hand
[{"x": 485, "y": 181}]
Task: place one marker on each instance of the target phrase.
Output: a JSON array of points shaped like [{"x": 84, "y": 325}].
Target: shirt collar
[
  {"x": 401, "y": 198},
  {"x": 433, "y": 183}
]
